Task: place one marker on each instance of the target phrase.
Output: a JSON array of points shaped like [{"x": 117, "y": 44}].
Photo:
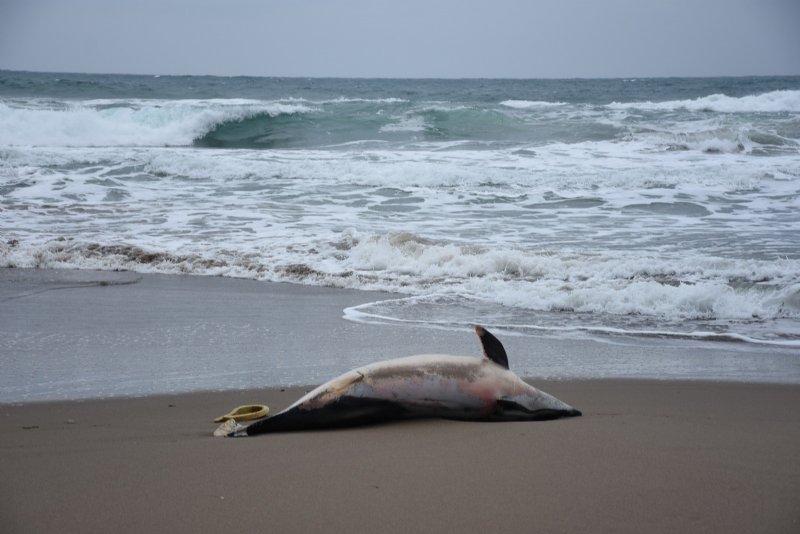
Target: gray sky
[{"x": 404, "y": 38}]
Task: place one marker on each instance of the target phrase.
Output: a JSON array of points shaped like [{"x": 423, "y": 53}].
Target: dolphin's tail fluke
[{"x": 229, "y": 429}]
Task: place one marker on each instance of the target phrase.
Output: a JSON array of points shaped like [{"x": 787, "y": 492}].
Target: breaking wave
[
  {"x": 728, "y": 299},
  {"x": 529, "y": 104},
  {"x": 128, "y": 122},
  {"x": 771, "y": 102},
  {"x": 301, "y": 123}
]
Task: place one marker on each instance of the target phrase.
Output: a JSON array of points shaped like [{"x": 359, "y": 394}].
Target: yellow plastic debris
[{"x": 248, "y": 412}]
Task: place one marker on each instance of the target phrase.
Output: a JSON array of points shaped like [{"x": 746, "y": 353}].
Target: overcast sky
[{"x": 404, "y": 38}]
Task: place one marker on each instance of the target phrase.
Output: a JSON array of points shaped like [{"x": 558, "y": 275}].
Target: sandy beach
[{"x": 647, "y": 455}]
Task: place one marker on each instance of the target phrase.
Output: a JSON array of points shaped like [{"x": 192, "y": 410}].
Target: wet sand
[{"x": 68, "y": 334}]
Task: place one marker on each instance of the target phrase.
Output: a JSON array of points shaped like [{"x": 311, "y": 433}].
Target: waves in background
[{"x": 571, "y": 207}]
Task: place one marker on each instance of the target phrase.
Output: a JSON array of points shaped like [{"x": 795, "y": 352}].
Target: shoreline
[
  {"x": 646, "y": 456},
  {"x": 270, "y": 392},
  {"x": 105, "y": 334}
]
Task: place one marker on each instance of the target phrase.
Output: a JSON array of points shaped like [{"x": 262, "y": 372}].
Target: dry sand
[{"x": 647, "y": 456}]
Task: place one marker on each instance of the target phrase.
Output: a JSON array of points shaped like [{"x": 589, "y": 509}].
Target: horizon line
[{"x": 312, "y": 77}]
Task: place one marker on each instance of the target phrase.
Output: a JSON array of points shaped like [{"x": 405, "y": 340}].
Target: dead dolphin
[{"x": 428, "y": 385}]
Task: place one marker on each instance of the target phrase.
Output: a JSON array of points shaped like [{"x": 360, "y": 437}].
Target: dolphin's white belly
[
  {"x": 430, "y": 384},
  {"x": 424, "y": 394}
]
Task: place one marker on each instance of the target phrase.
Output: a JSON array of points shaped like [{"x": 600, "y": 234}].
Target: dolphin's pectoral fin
[{"x": 492, "y": 347}]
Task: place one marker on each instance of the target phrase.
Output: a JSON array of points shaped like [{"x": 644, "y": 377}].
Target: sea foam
[{"x": 528, "y": 104}]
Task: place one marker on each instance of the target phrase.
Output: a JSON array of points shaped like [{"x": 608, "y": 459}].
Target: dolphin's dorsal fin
[{"x": 492, "y": 347}]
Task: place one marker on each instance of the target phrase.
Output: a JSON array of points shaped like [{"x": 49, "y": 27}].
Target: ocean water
[{"x": 567, "y": 208}]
